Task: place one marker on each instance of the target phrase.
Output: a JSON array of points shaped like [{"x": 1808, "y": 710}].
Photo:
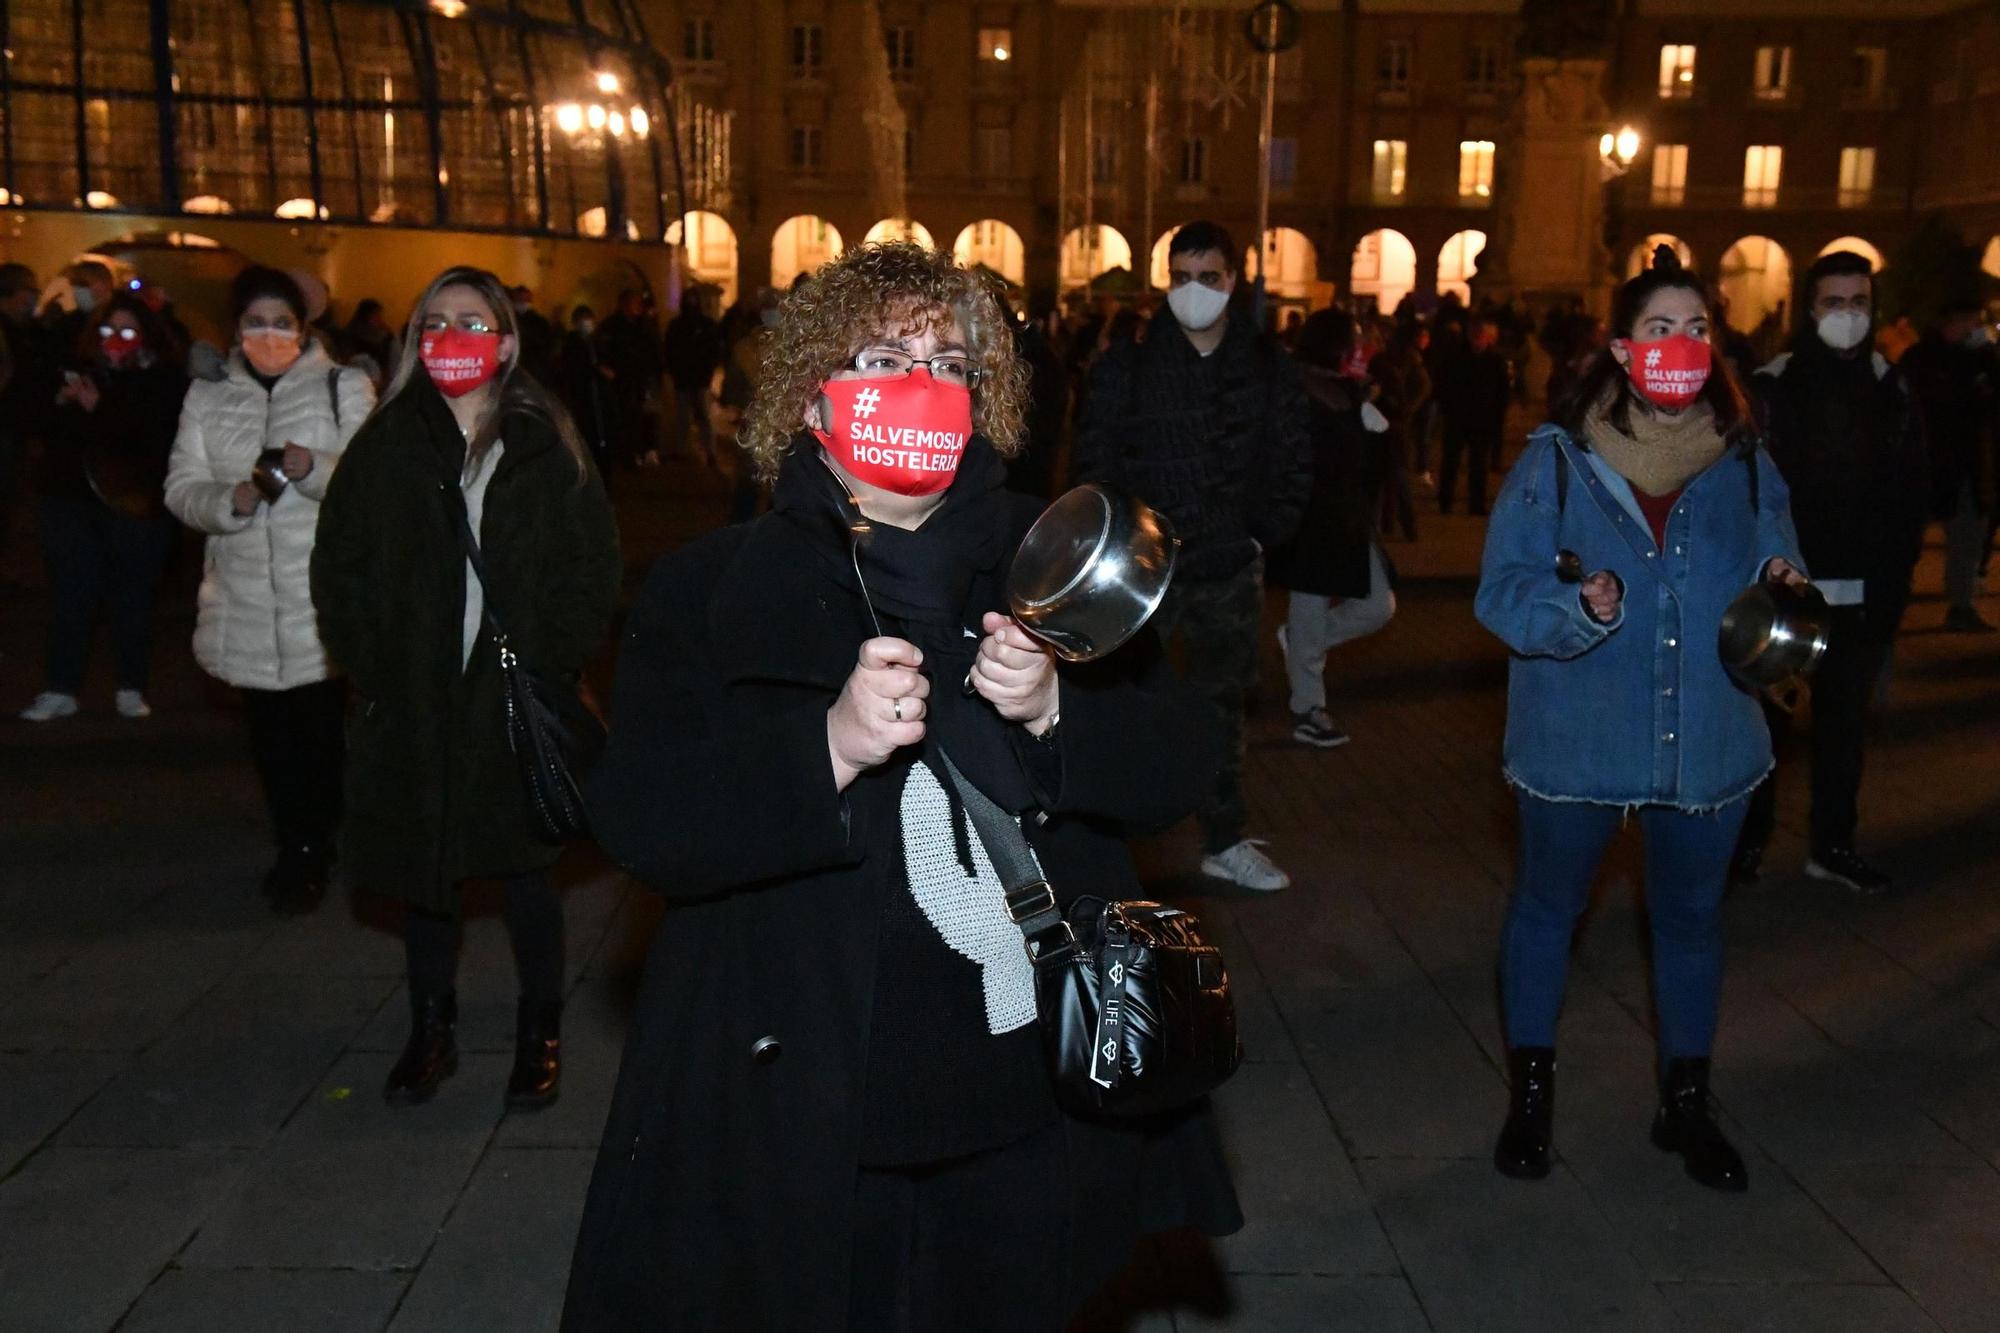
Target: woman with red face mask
[
  {"x": 104, "y": 535},
  {"x": 434, "y": 795},
  {"x": 834, "y": 1110},
  {"x": 251, "y": 464},
  {"x": 1620, "y": 537}
]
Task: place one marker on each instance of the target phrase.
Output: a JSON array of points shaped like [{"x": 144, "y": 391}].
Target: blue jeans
[{"x": 1687, "y": 868}]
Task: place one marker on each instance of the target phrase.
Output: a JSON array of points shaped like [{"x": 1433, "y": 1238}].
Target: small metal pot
[
  {"x": 1773, "y": 632},
  {"x": 1091, "y": 572}
]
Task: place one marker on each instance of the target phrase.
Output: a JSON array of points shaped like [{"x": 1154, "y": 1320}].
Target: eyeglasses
[
  {"x": 464, "y": 324},
  {"x": 886, "y": 363},
  {"x": 109, "y": 331}
]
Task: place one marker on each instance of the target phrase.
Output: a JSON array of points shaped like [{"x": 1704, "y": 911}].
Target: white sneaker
[
  {"x": 48, "y": 706},
  {"x": 132, "y": 704},
  {"x": 1246, "y": 864}
]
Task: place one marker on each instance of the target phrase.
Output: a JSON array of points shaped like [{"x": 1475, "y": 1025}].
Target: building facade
[{"x": 1057, "y": 139}]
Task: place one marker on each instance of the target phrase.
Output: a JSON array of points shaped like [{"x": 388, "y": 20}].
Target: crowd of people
[{"x": 407, "y": 529}]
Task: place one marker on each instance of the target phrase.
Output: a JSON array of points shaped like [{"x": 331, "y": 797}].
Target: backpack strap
[{"x": 333, "y": 394}]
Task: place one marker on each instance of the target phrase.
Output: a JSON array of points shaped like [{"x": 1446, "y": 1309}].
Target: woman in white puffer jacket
[{"x": 285, "y": 400}]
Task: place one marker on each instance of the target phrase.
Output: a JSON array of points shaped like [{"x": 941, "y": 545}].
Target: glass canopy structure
[{"x": 526, "y": 116}]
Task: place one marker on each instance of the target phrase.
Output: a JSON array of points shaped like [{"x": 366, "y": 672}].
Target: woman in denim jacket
[{"x": 1652, "y": 487}]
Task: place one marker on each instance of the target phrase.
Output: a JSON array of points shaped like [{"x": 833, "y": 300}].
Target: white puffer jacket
[{"x": 255, "y": 627}]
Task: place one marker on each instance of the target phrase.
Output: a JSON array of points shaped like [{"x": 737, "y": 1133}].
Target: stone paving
[{"x": 192, "y": 1137}]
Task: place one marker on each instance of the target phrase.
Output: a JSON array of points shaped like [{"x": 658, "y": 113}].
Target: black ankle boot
[
  {"x": 1686, "y": 1125},
  {"x": 537, "y": 1076},
  {"x": 431, "y": 1055},
  {"x": 1523, "y": 1150},
  {"x": 297, "y": 883}
]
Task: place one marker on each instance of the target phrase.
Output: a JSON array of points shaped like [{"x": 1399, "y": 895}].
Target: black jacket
[
  {"x": 433, "y": 793},
  {"x": 1848, "y": 438},
  {"x": 723, "y": 1193},
  {"x": 1955, "y": 388},
  {"x": 1330, "y": 554},
  {"x": 1216, "y": 443},
  {"x": 119, "y": 452}
]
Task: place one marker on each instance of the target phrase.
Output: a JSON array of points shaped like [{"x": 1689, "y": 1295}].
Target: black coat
[
  {"x": 1330, "y": 554},
  {"x": 1955, "y": 388},
  {"x": 1217, "y": 443},
  {"x": 433, "y": 794},
  {"x": 1848, "y": 437},
  {"x": 724, "y": 1190}
]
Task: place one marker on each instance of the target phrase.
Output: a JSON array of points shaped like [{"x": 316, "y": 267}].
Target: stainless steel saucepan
[
  {"x": 1773, "y": 632},
  {"x": 1091, "y": 572}
]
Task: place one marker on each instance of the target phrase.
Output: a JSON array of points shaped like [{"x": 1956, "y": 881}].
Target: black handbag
[
  {"x": 1134, "y": 1004},
  {"x": 555, "y": 738}
]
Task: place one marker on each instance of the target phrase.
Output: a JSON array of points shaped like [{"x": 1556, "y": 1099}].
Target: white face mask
[
  {"x": 1843, "y": 330},
  {"x": 1197, "y": 307},
  {"x": 86, "y": 298}
]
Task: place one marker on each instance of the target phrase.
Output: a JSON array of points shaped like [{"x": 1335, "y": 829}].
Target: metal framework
[{"x": 520, "y": 116}]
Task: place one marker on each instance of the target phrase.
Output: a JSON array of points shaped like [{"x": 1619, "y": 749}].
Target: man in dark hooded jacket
[{"x": 1845, "y": 430}]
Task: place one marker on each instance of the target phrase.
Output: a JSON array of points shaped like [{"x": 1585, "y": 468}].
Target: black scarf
[{"x": 929, "y": 586}]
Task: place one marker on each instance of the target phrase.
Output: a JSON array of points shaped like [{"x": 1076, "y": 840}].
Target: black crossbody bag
[
  {"x": 1134, "y": 1004},
  {"x": 555, "y": 738}
]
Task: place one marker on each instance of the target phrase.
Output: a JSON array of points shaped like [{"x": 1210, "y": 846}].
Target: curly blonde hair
[{"x": 895, "y": 287}]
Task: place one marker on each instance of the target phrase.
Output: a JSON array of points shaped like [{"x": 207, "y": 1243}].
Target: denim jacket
[{"x": 1640, "y": 711}]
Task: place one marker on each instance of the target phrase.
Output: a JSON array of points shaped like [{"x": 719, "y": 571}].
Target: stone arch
[
  {"x": 1458, "y": 260},
  {"x": 1755, "y": 278},
  {"x": 1858, "y": 245},
  {"x": 800, "y": 245},
  {"x": 900, "y": 229},
  {"x": 709, "y": 246},
  {"x": 1085, "y": 258},
  {"x": 1292, "y": 262},
  {"x": 1641, "y": 257},
  {"x": 1384, "y": 269},
  {"x": 993, "y": 244}
]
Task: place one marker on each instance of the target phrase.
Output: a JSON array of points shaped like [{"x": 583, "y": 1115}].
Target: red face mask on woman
[
  {"x": 120, "y": 345},
  {"x": 1670, "y": 372},
  {"x": 459, "y": 362},
  {"x": 904, "y": 435}
]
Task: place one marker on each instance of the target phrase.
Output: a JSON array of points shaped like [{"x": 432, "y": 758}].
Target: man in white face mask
[
  {"x": 1842, "y": 426},
  {"x": 1205, "y": 420}
]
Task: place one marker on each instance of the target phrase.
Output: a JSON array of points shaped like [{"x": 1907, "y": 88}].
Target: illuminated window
[
  {"x": 1676, "y": 72},
  {"x": 996, "y": 45},
  {"x": 1763, "y": 164},
  {"x": 1475, "y": 169},
  {"x": 1670, "y": 173},
  {"x": 1857, "y": 177},
  {"x": 1774, "y": 74},
  {"x": 1392, "y": 164}
]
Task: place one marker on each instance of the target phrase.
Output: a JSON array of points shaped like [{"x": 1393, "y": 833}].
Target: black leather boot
[
  {"x": 431, "y": 1056},
  {"x": 537, "y": 1076},
  {"x": 1523, "y": 1150},
  {"x": 1686, "y": 1125}
]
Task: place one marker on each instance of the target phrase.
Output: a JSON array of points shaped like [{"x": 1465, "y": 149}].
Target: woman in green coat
[{"x": 434, "y": 795}]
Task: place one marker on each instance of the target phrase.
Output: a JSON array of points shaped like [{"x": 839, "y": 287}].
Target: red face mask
[
  {"x": 1671, "y": 371},
  {"x": 904, "y": 435},
  {"x": 118, "y": 348},
  {"x": 459, "y": 362}
]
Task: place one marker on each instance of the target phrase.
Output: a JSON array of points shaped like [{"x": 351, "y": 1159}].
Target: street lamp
[{"x": 1616, "y": 151}]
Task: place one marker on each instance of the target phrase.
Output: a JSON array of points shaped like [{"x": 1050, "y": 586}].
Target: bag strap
[
  {"x": 454, "y": 501},
  {"x": 333, "y": 394},
  {"x": 1031, "y": 903}
]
